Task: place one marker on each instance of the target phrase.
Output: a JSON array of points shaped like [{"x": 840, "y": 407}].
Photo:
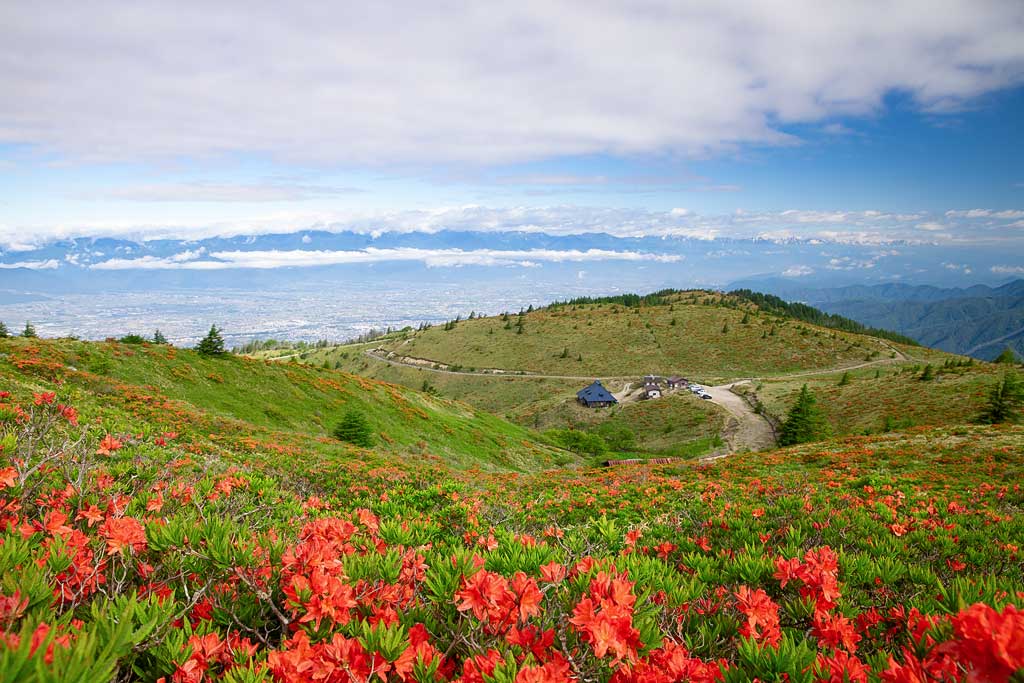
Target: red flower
[
  {"x": 123, "y": 533},
  {"x": 8, "y": 476},
  {"x": 991, "y": 642},
  {"x": 841, "y": 667},
  {"x": 108, "y": 445},
  {"x": 762, "y": 616}
]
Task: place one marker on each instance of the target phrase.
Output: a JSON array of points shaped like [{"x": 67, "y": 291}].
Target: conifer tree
[
  {"x": 1005, "y": 401},
  {"x": 354, "y": 429},
  {"x": 928, "y": 374},
  {"x": 159, "y": 338},
  {"x": 29, "y": 331},
  {"x": 1007, "y": 356},
  {"x": 804, "y": 422},
  {"x": 212, "y": 344},
  {"x": 845, "y": 379},
  {"x": 4, "y": 332}
]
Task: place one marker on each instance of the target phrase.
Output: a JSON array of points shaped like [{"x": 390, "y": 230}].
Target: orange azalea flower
[
  {"x": 108, "y": 445},
  {"x": 91, "y": 515},
  {"x": 44, "y": 398},
  {"x": 123, "y": 533},
  {"x": 8, "y": 476}
]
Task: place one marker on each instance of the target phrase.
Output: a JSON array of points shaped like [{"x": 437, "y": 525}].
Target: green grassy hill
[
  {"x": 709, "y": 337},
  {"x": 234, "y": 404},
  {"x": 883, "y": 399},
  {"x": 700, "y": 335}
]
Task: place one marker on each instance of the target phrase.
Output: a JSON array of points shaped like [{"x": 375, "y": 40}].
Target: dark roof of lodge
[
  {"x": 595, "y": 393},
  {"x": 675, "y": 379}
]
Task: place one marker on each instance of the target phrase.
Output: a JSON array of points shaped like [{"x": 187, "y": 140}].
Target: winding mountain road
[{"x": 745, "y": 430}]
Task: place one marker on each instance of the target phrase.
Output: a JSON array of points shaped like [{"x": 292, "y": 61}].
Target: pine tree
[
  {"x": 4, "y": 332},
  {"x": 1005, "y": 401},
  {"x": 159, "y": 338},
  {"x": 212, "y": 344},
  {"x": 354, "y": 429},
  {"x": 928, "y": 374},
  {"x": 1007, "y": 356},
  {"x": 565, "y": 352},
  {"x": 844, "y": 380},
  {"x": 725, "y": 328},
  {"x": 29, "y": 330},
  {"x": 746, "y": 319},
  {"x": 804, "y": 422}
]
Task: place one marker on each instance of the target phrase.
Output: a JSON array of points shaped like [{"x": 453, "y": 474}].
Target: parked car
[{"x": 706, "y": 396}]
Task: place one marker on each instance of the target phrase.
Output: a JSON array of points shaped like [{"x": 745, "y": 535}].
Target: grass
[
  {"x": 678, "y": 425},
  {"x": 238, "y": 401},
  {"x": 895, "y": 399},
  {"x": 707, "y": 341},
  {"x": 131, "y": 550}
]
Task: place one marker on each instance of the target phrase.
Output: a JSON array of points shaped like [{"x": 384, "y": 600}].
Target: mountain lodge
[{"x": 595, "y": 396}]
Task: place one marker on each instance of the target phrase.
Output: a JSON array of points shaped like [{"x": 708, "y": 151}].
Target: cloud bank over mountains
[
  {"x": 430, "y": 83},
  {"x": 976, "y": 226}
]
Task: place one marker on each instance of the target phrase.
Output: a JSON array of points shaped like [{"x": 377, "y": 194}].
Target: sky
[{"x": 840, "y": 124}]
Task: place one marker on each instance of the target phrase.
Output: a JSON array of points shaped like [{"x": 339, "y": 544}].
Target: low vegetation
[
  {"x": 131, "y": 553},
  {"x": 700, "y": 334}
]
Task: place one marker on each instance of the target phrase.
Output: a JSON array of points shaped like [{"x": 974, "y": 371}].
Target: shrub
[
  {"x": 212, "y": 344},
  {"x": 1005, "y": 400},
  {"x": 354, "y": 429},
  {"x": 804, "y": 422}
]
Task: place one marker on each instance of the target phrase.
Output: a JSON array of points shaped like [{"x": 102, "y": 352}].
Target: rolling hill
[
  {"x": 531, "y": 376},
  {"x": 978, "y": 321},
  {"x": 702, "y": 335},
  {"x": 167, "y": 516},
  {"x": 232, "y": 405}
]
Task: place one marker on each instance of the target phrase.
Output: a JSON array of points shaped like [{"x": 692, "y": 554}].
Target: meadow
[
  {"x": 882, "y": 399},
  {"x": 695, "y": 335},
  {"x": 129, "y": 552}
]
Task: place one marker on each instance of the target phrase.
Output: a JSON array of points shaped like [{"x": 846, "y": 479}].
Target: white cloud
[
  {"x": 48, "y": 264},
  {"x": 225, "y": 192},
  {"x": 433, "y": 258},
  {"x": 959, "y": 267},
  {"x": 849, "y": 263},
  {"x": 331, "y": 82},
  {"x": 797, "y": 271},
  {"x": 868, "y": 227},
  {"x": 1008, "y": 270}
]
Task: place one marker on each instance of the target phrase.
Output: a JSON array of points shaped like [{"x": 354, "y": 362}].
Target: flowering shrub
[{"x": 130, "y": 551}]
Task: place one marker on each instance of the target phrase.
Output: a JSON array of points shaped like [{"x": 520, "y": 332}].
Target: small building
[
  {"x": 652, "y": 390},
  {"x": 677, "y": 382},
  {"x": 595, "y": 396},
  {"x": 652, "y": 379}
]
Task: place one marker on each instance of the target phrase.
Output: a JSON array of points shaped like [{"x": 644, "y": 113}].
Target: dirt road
[{"x": 745, "y": 430}]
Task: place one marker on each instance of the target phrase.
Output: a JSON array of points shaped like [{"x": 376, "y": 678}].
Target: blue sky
[{"x": 841, "y": 124}]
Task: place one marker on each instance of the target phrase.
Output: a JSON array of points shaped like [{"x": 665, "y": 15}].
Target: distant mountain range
[{"x": 977, "y": 321}]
